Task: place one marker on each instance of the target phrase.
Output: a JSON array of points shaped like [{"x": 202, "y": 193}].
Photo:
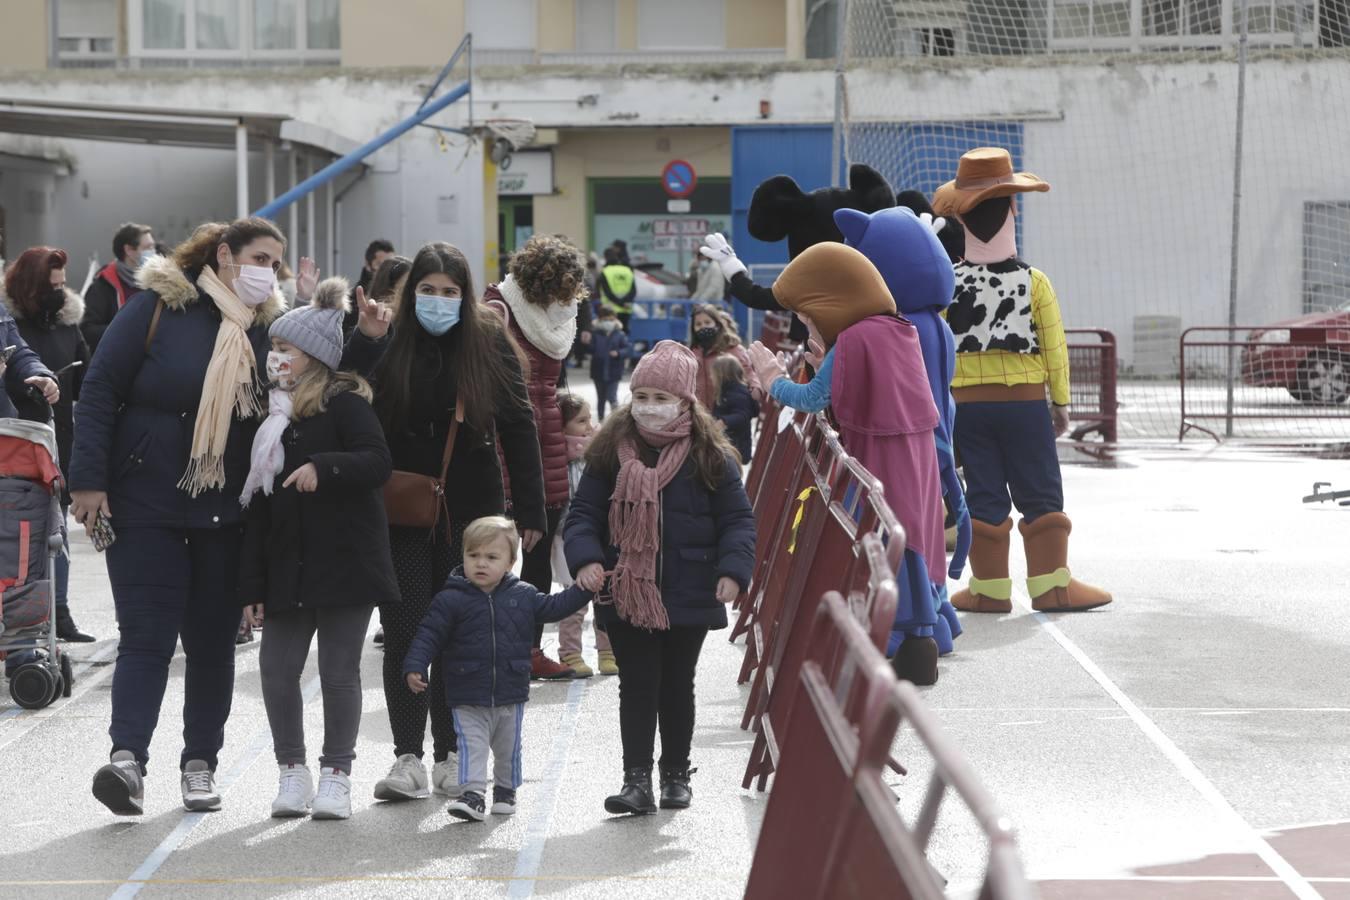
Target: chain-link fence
[{"x": 1194, "y": 148}]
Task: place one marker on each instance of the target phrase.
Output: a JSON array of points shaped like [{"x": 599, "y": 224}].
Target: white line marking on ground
[
  {"x": 261, "y": 741},
  {"x": 536, "y": 836},
  {"x": 1188, "y": 769},
  {"x": 82, "y": 687},
  {"x": 1026, "y": 722}
]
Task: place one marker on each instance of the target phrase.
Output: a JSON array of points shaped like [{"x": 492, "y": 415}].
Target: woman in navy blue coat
[{"x": 164, "y": 428}]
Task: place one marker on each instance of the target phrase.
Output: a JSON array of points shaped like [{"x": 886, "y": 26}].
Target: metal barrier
[
  {"x": 1092, "y": 383},
  {"x": 1287, "y": 376},
  {"x": 854, "y": 843}
]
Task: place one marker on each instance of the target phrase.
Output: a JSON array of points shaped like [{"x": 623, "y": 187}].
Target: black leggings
[
  {"x": 422, "y": 563},
  {"x": 656, "y": 685},
  {"x": 536, "y": 567}
]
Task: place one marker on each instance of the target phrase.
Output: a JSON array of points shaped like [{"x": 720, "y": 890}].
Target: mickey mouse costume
[{"x": 1009, "y": 345}]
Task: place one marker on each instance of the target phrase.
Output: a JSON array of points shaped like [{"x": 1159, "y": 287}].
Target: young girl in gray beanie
[{"x": 316, "y": 555}]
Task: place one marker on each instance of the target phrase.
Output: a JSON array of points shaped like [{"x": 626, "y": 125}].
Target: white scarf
[
  {"x": 268, "y": 455},
  {"x": 552, "y": 340}
]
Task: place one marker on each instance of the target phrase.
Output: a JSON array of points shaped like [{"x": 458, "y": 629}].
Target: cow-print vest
[{"x": 992, "y": 308}]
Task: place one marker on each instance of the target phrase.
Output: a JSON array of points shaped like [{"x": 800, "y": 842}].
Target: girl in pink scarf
[{"x": 662, "y": 517}]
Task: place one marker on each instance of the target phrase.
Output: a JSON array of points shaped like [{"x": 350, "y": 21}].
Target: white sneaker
[
  {"x": 295, "y": 793},
  {"x": 199, "y": 787},
  {"x": 334, "y": 800},
  {"x": 407, "y": 780},
  {"x": 445, "y": 777}
]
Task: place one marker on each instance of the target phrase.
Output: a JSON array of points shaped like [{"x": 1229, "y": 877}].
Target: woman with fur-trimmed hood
[
  {"x": 167, "y": 416},
  {"x": 47, "y": 315}
]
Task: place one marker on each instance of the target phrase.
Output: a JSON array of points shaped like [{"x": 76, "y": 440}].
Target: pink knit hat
[{"x": 669, "y": 366}]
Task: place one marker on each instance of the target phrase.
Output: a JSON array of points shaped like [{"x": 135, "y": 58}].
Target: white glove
[
  {"x": 936, "y": 224},
  {"x": 716, "y": 248}
]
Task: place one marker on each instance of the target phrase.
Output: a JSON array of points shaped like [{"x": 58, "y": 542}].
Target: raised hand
[
  {"x": 767, "y": 365},
  {"x": 815, "y": 354},
  {"x": 716, "y": 248},
  {"x": 374, "y": 316},
  {"x": 307, "y": 279}
]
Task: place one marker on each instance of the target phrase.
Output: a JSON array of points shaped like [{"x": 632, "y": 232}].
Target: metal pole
[
  {"x": 330, "y": 229},
  {"x": 837, "y": 146},
  {"x": 1237, "y": 212},
  {"x": 270, "y": 166},
  {"x": 293, "y": 231},
  {"x": 240, "y": 169},
  {"x": 309, "y": 223}
]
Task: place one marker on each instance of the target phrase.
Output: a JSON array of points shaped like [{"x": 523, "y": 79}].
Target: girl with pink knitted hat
[{"x": 662, "y": 530}]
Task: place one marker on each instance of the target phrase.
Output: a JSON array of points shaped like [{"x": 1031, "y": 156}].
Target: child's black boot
[
  {"x": 675, "y": 790},
  {"x": 636, "y": 796}
]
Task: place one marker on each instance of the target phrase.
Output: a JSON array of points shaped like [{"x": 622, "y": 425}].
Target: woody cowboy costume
[{"x": 1010, "y": 346}]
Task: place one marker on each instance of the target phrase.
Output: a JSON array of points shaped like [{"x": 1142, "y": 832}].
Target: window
[
  {"x": 502, "y": 24},
  {"x": 86, "y": 31},
  {"x": 689, "y": 25},
  {"x": 216, "y": 31},
  {"x": 596, "y": 20}
]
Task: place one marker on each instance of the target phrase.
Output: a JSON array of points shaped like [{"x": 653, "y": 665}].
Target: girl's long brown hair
[
  {"x": 481, "y": 355},
  {"x": 727, "y": 334},
  {"x": 709, "y": 447}
]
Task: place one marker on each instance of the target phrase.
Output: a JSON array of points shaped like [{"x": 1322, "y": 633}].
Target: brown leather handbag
[{"x": 414, "y": 500}]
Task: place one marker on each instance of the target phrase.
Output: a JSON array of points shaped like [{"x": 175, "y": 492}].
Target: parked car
[{"x": 1308, "y": 356}]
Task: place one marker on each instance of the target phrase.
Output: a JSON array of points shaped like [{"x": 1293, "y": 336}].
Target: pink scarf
[{"x": 635, "y": 524}]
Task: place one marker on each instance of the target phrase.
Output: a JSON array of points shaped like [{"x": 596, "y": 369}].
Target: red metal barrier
[
  {"x": 1292, "y": 375},
  {"x": 853, "y": 843},
  {"x": 1092, "y": 383}
]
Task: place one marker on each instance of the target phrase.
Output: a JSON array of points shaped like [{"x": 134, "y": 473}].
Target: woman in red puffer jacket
[{"x": 538, "y": 301}]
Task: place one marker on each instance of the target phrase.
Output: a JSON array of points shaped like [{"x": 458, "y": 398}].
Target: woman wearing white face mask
[
  {"x": 163, "y": 430},
  {"x": 446, "y": 352},
  {"x": 538, "y": 301}
]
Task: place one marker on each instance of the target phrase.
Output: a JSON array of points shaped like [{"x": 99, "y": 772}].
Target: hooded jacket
[{"x": 106, "y": 296}]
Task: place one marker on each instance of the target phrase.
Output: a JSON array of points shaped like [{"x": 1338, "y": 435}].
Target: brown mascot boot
[
  {"x": 1049, "y": 583},
  {"x": 990, "y": 589}
]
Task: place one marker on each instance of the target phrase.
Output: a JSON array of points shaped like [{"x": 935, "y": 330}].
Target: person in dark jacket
[
  {"x": 538, "y": 303},
  {"x": 316, "y": 556},
  {"x": 480, "y": 626},
  {"x": 48, "y": 315},
  {"x": 736, "y": 408},
  {"x": 660, "y": 466},
  {"x": 446, "y": 353},
  {"x": 163, "y": 431},
  {"x": 22, "y": 369},
  {"x": 114, "y": 285},
  {"x": 610, "y": 350}
]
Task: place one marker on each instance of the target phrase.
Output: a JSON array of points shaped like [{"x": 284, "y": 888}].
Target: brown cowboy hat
[{"x": 983, "y": 174}]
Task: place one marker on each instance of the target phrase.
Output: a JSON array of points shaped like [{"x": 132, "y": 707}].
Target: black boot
[
  {"x": 636, "y": 796},
  {"x": 917, "y": 661},
  {"x": 67, "y": 630},
  {"x": 675, "y": 791}
]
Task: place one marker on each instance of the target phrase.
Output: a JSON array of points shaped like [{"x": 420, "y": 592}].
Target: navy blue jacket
[
  {"x": 606, "y": 368},
  {"x": 484, "y": 640},
  {"x": 23, "y": 365},
  {"x": 705, "y": 535},
  {"x": 736, "y": 410},
  {"x": 137, "y": 409}
]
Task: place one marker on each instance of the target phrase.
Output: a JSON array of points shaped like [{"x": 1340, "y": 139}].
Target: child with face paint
[
  {"x": 316, "y": 552},
  {"x": 662, "y": 523}
]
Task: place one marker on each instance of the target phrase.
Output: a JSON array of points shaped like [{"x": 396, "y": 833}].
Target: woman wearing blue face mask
[{"x": 446, "y": 350}]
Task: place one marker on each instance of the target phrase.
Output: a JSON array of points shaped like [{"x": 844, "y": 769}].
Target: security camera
[{"x": 501, "y": 150}]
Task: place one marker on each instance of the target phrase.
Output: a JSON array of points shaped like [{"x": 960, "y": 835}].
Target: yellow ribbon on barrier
[{"x": 797, "y": 519}]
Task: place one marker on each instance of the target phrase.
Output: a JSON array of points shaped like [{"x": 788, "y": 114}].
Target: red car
[{"x": 1308, "y": 356}]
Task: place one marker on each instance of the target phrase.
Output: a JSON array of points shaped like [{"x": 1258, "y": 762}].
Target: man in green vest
[{"x": 618, "y": 286}]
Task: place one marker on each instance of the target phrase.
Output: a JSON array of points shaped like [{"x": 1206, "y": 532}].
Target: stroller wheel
[
  {"x": 33, "y": 685},
  {"x": 67, "y": 676}
]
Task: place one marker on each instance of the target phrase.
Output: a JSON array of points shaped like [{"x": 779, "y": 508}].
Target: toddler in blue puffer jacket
[{"x": 482, "y": 623}]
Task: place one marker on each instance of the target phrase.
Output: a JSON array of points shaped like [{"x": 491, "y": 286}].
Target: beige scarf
[{"x": 230, "y": 388}]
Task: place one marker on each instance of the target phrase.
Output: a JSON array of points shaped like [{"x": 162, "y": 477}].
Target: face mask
[
  {"x": 147, "y": 255},
  {"x": 53, "y": 300},
  {"x": 437, "y": 314},
  {"x": 254, "y": 284},
  {"x": 655, "y": 416},
  {"x": 559, "y": 314},
  {"x": 607, "y": 325},
  {"x": 705, "y": 336},
  {"x": 279, "y": 369}
]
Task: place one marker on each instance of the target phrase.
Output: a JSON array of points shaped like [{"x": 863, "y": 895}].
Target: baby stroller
[{"x": 32, "y": 532}]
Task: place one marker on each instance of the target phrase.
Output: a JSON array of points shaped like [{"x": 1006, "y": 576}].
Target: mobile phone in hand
[
  {"x": 6, "y": 353},
  {"x": 102, "y": 535}
]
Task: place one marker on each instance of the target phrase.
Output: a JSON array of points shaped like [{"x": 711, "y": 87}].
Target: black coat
[
  {"x": 101, "y": 304},
  {"x": 330, "y": 547},
  {"x": 58, "y": 342},
  {"x": 606, "y": 369},
  {"x": 484, "y": 640},
  {"x": 474, "y": 483},
  {"x": 705, "y": 535},
  {"x": 737, "y": 409},
  {"x": 133, "y": 426},
  {"x": 24, "y": 364}
]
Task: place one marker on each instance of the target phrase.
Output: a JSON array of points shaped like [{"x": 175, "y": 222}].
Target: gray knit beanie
[{"x": 317, "y": 328}]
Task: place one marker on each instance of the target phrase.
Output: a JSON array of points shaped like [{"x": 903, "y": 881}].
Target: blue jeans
[
  {"x": 61, "y": 577},
  {"x": 1009, "y": 458},
  {"x": 169, "y": 584}
]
